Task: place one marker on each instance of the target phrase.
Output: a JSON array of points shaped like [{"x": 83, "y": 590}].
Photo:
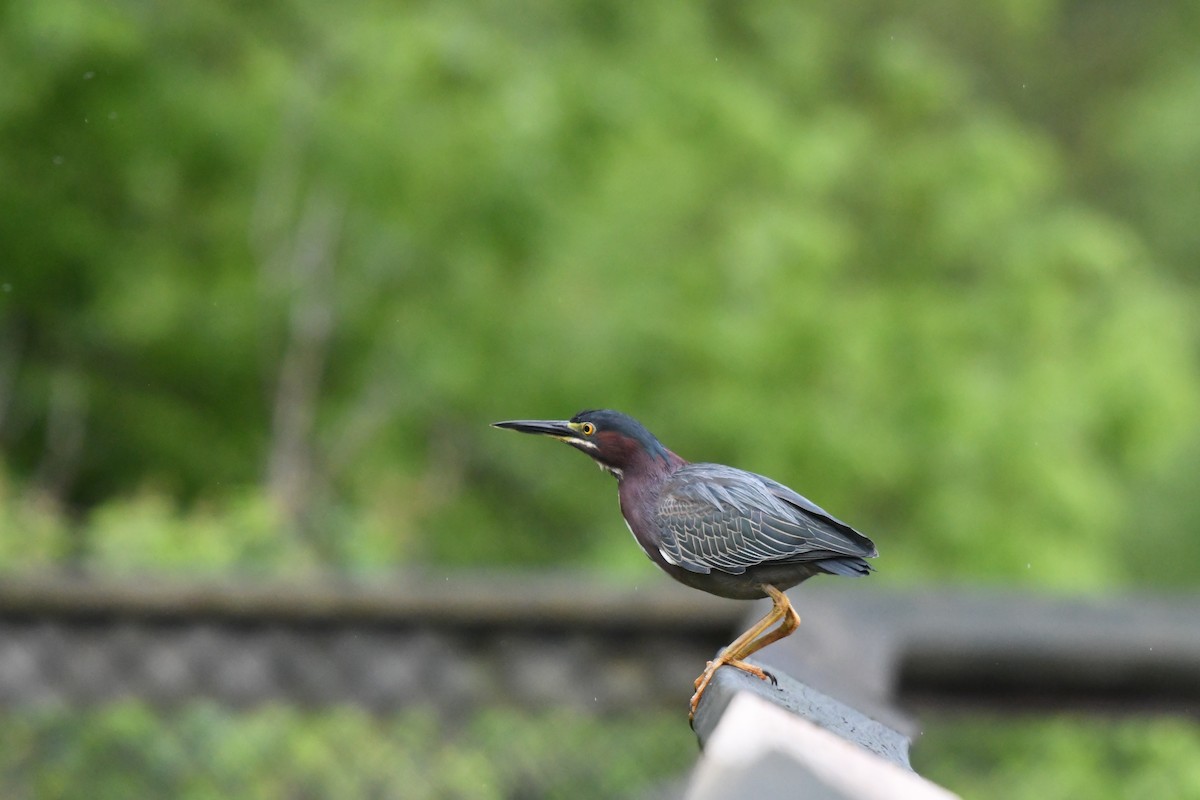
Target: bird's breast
[
  {"x": 653, "y": 554},
  {"x": 637, "y": 509}
]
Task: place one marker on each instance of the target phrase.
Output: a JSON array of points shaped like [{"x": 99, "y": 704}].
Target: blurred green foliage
[
  {"x": 926, "y": 263},
  {"x": 1060, "y": 757},
  {"x": 270, "y": 269},
  {"x": 202, "y": 752},
  {"x": 127, "y": 750}
]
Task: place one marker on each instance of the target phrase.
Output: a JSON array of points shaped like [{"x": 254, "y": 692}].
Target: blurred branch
[
  {"x": 292, "y": 475},
  {"x": 302, "y": 464},
  {"x": 296, "y": 258}
]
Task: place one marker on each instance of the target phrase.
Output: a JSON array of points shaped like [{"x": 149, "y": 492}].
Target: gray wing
[{"x": 717, "y": 517}]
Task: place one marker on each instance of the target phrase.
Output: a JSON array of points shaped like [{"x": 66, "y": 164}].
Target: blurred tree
[{"x": 913, "y": 260}]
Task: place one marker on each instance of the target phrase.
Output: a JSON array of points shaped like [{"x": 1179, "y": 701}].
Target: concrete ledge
[
  {"x": 802, "y": 702},
  {"x": 756, "y": 748}
]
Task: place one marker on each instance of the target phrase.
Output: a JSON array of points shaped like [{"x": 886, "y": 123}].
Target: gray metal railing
[{"x": 459, "y": 640}]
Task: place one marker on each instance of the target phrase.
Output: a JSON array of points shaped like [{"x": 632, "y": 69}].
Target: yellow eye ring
[{"x": 587, "y": 428}]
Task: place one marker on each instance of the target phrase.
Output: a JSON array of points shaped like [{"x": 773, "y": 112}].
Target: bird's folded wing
[{"x": 716, "y": 517}]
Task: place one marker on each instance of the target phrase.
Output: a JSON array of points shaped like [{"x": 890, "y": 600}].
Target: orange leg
[{"x": 750, "y": 642}]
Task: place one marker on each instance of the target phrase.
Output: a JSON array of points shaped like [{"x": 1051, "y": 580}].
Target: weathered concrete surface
[
  {"x": 762, "y": 750},
  {"x": 803, "y": 702}
]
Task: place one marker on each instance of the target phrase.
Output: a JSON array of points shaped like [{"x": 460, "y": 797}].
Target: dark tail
[{"x": 849, "y": 566}]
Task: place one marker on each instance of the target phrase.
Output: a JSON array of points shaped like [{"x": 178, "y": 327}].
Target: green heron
[{"x": 722, "y": 530}]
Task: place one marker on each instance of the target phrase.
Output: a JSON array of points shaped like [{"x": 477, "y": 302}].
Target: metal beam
[{"x": 551, "y": 638}]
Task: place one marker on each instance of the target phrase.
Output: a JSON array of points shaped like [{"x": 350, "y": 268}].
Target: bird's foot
[
  {"x": 758, "y": 672},
  {"x": 701, "y": 684},
  {"x": 710, "y": 669}
]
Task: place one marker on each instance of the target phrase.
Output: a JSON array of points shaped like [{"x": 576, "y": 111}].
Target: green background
[{"x": 268, "y": 271}]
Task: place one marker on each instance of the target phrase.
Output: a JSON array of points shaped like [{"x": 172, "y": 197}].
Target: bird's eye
[{"x": 587, "y": 428}]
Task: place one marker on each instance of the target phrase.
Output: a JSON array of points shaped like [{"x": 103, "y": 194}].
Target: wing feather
[{"x": 717, "y": 517}]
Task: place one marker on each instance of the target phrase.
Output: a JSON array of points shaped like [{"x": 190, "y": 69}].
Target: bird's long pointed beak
[{"x": 547, "y": 427}]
